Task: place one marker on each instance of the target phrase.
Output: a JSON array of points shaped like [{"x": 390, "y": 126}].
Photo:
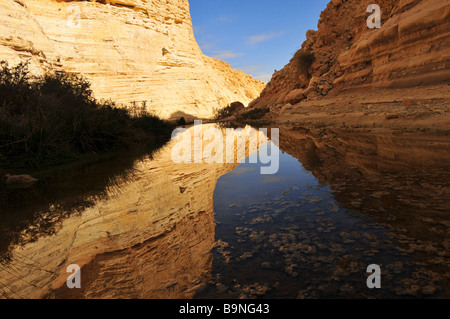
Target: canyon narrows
[
  {"x": 135, "y": 166},
  {"x": 131, "y": 51},
  {"x": 346, "y": 67}
]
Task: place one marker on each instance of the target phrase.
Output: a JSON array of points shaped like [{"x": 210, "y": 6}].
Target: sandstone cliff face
[
  {"x": 410, "y": 49},
  {"x": 131, "y": 51}
]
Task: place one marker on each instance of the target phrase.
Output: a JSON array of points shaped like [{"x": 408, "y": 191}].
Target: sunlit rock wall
[
  {"x": 131, "y": 51},
  {"x": 410, "y": 49}
]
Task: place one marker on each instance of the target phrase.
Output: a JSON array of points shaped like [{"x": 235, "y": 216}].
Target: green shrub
[
  {"x": 228, "y": 110},
  {"x": 54, "y": 119}
]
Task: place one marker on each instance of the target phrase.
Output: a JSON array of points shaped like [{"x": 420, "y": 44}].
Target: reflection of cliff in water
[
  {"x": 146, "y": 229},
  {"x": 26, "y": 214},
  {"x": 400, "y": 181},
  {"x": 147, "y": 235}
]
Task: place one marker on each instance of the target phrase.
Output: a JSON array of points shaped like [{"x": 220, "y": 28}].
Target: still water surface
[{"x": 341, "y": 201}]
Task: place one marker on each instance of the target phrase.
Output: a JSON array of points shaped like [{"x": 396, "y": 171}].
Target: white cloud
[
  {"x": 224, "y": 55},
  {"x": 225, "y": 19},
  {"x": 251, "y": 68},
  {"x": 262, "y": 37},
  {"x": 206, "y": 46},
  {"x": 265, "y": 77}
]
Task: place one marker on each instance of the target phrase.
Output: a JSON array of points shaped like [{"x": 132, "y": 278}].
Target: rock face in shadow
[
  {"x": 131, "y": 51},
  {"x": 399, "y": 181},
  {"x": 410, "y": 49},
  {"x": 149, "y": 236},
  {"x": 357, "y": 162}
]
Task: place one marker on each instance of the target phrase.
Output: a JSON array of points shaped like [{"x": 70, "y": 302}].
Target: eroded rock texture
[
  {"x": 131, "y": 51},
  {"x": 410, "y": 49}
]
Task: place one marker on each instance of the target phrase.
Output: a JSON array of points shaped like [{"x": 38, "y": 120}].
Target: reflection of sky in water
[
  {"x": 287, "y": 233},
  {"x": 247, "y": 183}
]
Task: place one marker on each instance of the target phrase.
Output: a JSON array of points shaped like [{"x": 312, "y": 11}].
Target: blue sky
[{"x": 255, "y": 36}]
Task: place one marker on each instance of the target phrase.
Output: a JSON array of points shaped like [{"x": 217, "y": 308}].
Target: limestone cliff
[
  {"x": 410, "y": 49},
  {"x": 131, "y": 51}
]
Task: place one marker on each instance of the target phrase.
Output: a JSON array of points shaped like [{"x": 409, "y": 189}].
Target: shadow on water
[
  {"x": 27, "y": 214},
  {"x": 340, "y": 202}
]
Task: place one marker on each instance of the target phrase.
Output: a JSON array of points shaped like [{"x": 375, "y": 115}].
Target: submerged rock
[{"x": 20, "y": 181}]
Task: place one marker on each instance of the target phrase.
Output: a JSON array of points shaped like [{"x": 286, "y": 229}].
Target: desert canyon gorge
[
  {"x": 145, "y": 51},
  {"x": 358, "y": 122},
  {"x": 364, "y": 75},
  {"x": 131, "y": 51}
]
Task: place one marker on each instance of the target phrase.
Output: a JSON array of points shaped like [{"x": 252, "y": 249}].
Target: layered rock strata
[
  {"x": 141, "y": 51},
  {"x": 411, "y": 49}
]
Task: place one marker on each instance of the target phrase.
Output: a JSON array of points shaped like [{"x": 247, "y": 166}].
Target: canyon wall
[
  {"x": 411, "y": 49},
  {"x": 130, "y": 50}
]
